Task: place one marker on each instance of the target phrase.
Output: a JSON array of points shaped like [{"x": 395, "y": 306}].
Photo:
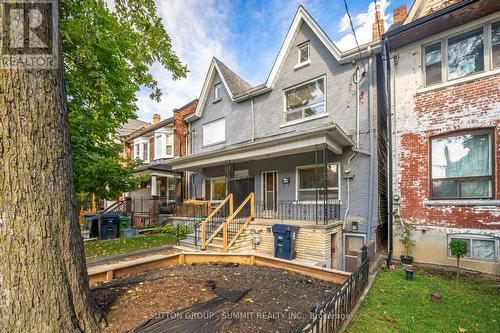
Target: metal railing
[
  {"x": 319, "y": 212},
  {"x": 329, "y": 316}
]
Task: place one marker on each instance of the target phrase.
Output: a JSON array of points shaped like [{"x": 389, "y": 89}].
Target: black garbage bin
[
  {"x": 284, "y": 240},
  {"x": 92, "y": 225},
  {"x": 109, "y": 226}
]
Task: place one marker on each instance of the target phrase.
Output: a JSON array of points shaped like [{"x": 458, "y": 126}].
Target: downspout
[
  {"x": 389, "y": 155},
  {"x": 372, "y": 157},
  {"x": 253, "y": 119},
  {"x": 356, "y": 81}
]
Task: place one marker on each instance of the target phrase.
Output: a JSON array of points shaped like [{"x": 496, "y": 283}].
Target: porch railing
[
  {"x": 238, "y": 221},
  {"x": 213, "y": 223},
  {"x": 320, "y": 212},
  {"x": 329, "y": 316}
]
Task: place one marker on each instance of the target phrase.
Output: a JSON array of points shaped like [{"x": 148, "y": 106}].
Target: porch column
[{"x": 154, "y": 191}]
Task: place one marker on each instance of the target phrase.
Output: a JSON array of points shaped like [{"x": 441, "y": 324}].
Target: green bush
[
  {"x": 171, "y": 229},
  {"x": 458, "y": 249}
]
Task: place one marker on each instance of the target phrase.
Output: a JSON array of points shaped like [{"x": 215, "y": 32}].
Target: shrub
[
  {"x": 458, "y": 249},
  {"x": 171, "y": 229}
]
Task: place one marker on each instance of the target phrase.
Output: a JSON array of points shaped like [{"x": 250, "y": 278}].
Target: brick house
[
  {"x": 156, "y": 145},
  {"x": 444, "y": 79}
]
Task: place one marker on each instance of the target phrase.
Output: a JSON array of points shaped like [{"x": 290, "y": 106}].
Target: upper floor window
[
  {"x": 305, "y": 100},
  {"x": 306, "y": 182},
  {"x": 495, "y": 44},
  {"x": 303, "y": 52},
  {"x": 141, "y": 150},
  {"x": 163, "y": 145},
  {"x": 462, "y": 55},
  {"x": 462, "y": 165},
  {"x": 217, "y": 91},
  {"x": 214, "y": 132},
  {"x": 466, "y": 54}
]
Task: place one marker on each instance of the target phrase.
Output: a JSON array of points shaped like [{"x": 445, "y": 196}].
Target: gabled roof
[
  {"x": 235, "y": 83},
  {"x": 131, "y": 126},
  {"x": 240, "y": 90},
  {"x": 422, "y": 8}
]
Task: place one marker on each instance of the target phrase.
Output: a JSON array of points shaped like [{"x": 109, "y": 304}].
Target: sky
[{"x": 246, "y": 36}]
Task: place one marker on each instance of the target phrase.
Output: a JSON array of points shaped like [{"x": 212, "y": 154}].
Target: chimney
[
  {"x": 378, "y": 26},
  {"x": 156, "y": 118},
  {"x": 399, "y": 14}
]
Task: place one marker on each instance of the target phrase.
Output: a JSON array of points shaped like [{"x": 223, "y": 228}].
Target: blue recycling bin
[
  {"x": 109, "y": 226},
  {"x": 284, "y": 240}
]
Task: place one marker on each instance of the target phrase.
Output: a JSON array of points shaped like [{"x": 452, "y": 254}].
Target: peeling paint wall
[{"x": 420, "y": 113}]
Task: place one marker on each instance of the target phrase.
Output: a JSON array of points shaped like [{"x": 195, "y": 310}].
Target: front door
[
  {"x": 352, "y": 248},
  {"x": 241, "y": 189},
  {"x": 270, "y": 191}
]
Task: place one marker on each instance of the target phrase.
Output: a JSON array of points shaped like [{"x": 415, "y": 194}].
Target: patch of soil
[{"x": 280, "y": 300}]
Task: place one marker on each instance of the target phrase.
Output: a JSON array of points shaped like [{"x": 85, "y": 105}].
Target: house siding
[{"x": 420, "y": 114}]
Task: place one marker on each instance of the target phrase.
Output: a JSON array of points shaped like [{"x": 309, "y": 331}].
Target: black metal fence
[
  {"x": 319, "y": 212},
  {"x": 331, "y": 315}
]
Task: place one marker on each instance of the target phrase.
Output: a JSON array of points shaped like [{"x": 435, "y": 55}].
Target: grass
[
  {"x": 396, "y": 305},
  {"x": 96, "y": 249}
]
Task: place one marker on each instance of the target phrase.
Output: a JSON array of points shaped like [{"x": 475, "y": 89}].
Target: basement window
[
  {"x": 480, "y": 247},
  {"x": 462, "y": 165}
]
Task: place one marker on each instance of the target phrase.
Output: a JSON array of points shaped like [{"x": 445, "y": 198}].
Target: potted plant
[
  {"x": 409, "y": 272},
  {"x": 458, "y": 249},
  {"x": 406, "y": 229}
]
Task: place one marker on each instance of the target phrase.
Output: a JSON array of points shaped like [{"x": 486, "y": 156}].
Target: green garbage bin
[{"x": 124, "y": 222}]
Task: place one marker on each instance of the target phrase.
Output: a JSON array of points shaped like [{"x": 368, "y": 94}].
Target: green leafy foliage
[
  {"x": 405, "y": 236},
  {"x": 171, "y": 229},
  {"x": 107, "y": 57},
  {"x": 458, "y": 249},
  {"x": 468, "y": 305}
]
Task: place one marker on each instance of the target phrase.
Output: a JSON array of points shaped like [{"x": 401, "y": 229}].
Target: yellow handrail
[
  {"x": 251, "y": 198},
  {"x": 212, "y": 214}
]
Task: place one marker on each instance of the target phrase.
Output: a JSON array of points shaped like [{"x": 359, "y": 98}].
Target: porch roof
[{"x": 297, "y": 141}]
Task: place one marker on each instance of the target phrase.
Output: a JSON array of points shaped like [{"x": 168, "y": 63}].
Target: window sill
[
  {"x": 303, "y": 120},
  {"x": 459, "y": 81},
  {"x": 465, "y": 202},
  {"x": 213, "y": 144},
  {"x": 302, "y": 64}
]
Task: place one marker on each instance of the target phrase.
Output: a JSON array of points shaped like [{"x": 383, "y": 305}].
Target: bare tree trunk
[
  {"x": 43, "y": 276},
  {"x": 458, "y": 267}
]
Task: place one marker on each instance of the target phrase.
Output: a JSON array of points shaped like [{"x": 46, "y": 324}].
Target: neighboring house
[
  {"x": 156, "y": 145},
  {"x": 309, "y": 142},
  {"x": 445, "y": 102}
]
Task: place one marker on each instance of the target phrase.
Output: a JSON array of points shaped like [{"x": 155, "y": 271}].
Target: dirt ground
[{"x": 280, "y": 300}]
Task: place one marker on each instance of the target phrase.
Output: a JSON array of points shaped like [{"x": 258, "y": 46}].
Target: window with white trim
[
  {"x": 305, "y": 100},
  {"x": 480, "y": 247},
  {"x": 218, "y": 91},
  {"x": 306, "y": 182},
  {"x": 303, "y": 53},
  {"x": 468, "y": 53},
  {"x": 214, "y": 132},
  {"x": 141, "y": 150},
  {"x": 159, "y": 146},
  {"x": 169, "y": 138},
  {"x": 495, "y": 44}
]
